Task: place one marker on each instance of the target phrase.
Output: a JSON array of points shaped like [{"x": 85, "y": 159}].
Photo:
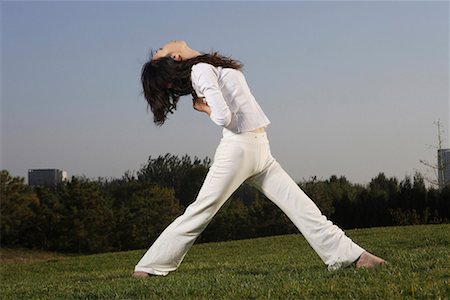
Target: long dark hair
[{"x": 165, "y": 80}]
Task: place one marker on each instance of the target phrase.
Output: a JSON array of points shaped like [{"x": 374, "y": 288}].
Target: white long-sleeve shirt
[{"x": 228, "y": 95}]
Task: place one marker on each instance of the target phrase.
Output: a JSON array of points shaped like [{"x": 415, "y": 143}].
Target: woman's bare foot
[
  {"x": 368, "y": 260},
  {"x": 139, "y": 274}
]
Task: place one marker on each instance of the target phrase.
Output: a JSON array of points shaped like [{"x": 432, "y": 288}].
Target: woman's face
[
  {"x": 172, "y": 48},
  {"x": 178, "y": 50}
]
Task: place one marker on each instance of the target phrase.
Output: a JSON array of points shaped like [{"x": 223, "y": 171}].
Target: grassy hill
[{"x": 281, "y": 267}]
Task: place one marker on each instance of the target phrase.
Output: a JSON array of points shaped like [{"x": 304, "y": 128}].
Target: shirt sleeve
[{"x": 205, "y": 78}]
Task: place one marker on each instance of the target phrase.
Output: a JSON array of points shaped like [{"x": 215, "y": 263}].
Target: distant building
[
  {"x": 47, "y": 177},
  {"x": 443, "y": 167}
]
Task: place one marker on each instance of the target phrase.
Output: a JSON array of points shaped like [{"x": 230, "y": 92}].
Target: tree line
[{"x": 90, "y": 216}]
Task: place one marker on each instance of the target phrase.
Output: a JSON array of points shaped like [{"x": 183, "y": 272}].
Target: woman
[{"x": 220, "y": 91}]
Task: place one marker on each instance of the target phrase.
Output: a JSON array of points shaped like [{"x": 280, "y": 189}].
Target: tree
[
  {"x": 344, "y": 196},
  {"x": 318, "y": 191},
  {"x": 18, "y": 205},
  {"x": 86, "y": 216},
  {"x": 267, "y": 219},
  {"x": 149, "y": 210},
  {"x": 141, "y": 210},
  {"x": 184, "y": 175},
  {"x": 49, "y": 215},
  {"x": 232, "y": 222}
]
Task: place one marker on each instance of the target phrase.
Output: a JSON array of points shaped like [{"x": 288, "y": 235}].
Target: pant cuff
[
  {"x": 354, "y": 254},
  {"x": 150, "y": 271}
]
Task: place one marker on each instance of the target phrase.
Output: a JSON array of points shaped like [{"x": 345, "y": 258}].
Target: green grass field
[{"x": 282, "y": 267}]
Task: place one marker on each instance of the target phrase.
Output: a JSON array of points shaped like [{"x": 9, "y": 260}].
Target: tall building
[
  {"x": 443, "y": 167},
  {"x": 48, "y": 177}
]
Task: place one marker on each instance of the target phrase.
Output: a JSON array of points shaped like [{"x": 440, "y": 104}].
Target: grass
[
  {"x": 23, "y": 255},
  {"x": 282, "y": 267}
]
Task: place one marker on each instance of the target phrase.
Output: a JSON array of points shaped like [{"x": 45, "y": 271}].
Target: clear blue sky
[{"x": 351, "y": 88}]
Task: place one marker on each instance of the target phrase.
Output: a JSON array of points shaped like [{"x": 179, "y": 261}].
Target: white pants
[{"x": 241, "y": 157}]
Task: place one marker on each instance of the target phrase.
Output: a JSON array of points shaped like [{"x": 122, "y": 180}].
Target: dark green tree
[
  {"x": 142, "y": 209},
  {"x": 17, "y": 210},
  {"x": 319, "y": 192},
  {"x": 345, "y": 197},
  {"x": 184, "y": 175},
  {"x": 143, "y": 214},
  {"x": 48, "y": 219},
  {"x": 87, "y": 216},
  {"x": 231, "y": 223}
]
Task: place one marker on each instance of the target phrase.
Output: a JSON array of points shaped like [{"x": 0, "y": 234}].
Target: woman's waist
[
  {"x": 258, "y": 130},
  {"x": 257, "y": 135}
]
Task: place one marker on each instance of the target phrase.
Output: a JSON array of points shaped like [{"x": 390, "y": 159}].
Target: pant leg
[
  {"x": 329, "y": 241},
  {"x": 233, "y": 163}
]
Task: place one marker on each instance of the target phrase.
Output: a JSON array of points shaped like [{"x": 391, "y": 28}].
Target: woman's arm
[
  {"x": 200, "y": 105},
  {"x": 205, "y": 77}
]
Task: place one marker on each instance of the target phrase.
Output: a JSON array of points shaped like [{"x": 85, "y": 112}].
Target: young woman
[{"x": 220, "y": 90}]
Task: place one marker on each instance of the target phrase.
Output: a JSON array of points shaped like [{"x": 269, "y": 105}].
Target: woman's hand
[{"x": 200, "y": 105}]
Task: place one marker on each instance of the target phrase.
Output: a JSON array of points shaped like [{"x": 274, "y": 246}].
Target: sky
[{"x": 352, "y": 88}]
